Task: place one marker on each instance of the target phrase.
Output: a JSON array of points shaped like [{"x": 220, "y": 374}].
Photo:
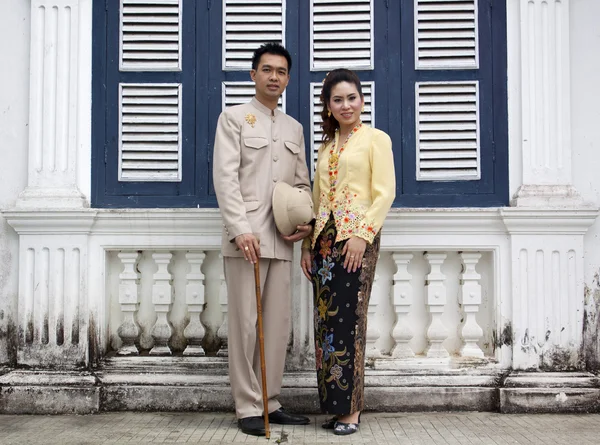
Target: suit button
[
  {"x": 275, "y": 179},
  {"x": 275, "y": 158},
  {"x": 274, "y": 139}
]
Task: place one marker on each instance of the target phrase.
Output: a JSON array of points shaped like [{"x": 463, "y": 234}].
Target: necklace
[{"x": 334, "y": 159}]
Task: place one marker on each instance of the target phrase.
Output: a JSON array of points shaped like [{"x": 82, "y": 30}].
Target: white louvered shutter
[
  {"x": 237, "y": 93},
  {"x": 150, "y": 132},
  {"x": 368, "y": 117},
  {"x": 448, "y": 138},
  {"x": 150, "y": 37},
  {"x": 446, "y": 34},
  {"x": 341, "y": 34},
  {"x": 248, "y": 24}
]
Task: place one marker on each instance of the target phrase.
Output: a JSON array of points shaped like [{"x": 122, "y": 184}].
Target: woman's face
[{"x": 346, "y": 104}]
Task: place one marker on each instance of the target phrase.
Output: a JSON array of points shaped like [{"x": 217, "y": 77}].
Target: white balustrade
[
  {"x": 416, "y": 328},
  {"x": 403, "y": 300},
  {"x": 129, "y": 299},
  {"x": 194, "y": 297},
  {"x": 162, "y": 299},
  {"x": 436, "y": 303},
  {"x": 470, "y": 299},
  {"x": 222, "y": 332},
  {"x": 373, "y": 332}
]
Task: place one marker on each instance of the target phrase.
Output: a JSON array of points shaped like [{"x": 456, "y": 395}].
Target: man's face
[{"x": 271, "y": 77}]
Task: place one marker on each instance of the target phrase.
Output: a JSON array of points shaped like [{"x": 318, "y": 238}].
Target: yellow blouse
[{"x": 365, "y": 188}]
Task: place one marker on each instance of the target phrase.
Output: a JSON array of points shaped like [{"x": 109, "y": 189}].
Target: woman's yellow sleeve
[{"x": 383, "y": 186}]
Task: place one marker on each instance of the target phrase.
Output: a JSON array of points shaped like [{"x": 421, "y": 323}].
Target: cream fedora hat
[{"x": 291, "y": 207}]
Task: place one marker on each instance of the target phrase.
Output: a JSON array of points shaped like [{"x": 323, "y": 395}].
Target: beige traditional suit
[{"x": 254, "y": 149}]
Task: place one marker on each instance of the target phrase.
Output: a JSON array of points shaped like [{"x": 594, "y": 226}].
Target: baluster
[
  {"x": 470, "y": 298},
  {"x": 436, "y": 301},
  {"x": 372, "y": 329},
  {"x": 403, "y": 300},
  {"x": 194, "y": 297},
  {"x": 222, "y": 332},
  {"x": 162, "y": 298},
  {"x": 129, "y": 286}
]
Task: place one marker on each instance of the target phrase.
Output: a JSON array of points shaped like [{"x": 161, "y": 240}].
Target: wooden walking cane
[{"x": 261, "y": 344}]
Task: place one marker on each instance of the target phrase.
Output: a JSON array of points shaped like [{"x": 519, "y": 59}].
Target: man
[{"x": 256, "y": 145}]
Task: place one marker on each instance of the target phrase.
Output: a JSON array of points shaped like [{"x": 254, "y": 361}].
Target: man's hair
[{"x": 271, "y": 48}]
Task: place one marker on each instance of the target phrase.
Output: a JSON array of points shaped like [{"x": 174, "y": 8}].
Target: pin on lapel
[{"x": 251, "y": 119}]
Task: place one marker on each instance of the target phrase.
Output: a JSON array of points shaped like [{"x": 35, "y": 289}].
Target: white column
[
  {"x": 543, "y": 89},
  {"x": 403, "y": 300},
  {"x": 222, "y": 332},
  {"x": 548, "y": 218},
  {"x": 162, "y": 298},
  {"x": 547, "y": 286},
  {"x": 436, "y": 303},
  {"x": 194, "y": 297},
  {"x": 129, "y": 299},
  {"x": 59, "y": 104},
  {"x": 470, "y": 299},
  {"x": 53, "y": 315},
  {"x": 373, "y": 332}
]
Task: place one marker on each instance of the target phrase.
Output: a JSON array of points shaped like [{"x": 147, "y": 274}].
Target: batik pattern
[{"x": 341, "y": 301}]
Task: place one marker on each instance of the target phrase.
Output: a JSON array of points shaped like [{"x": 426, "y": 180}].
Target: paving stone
[{"x": 220, "y": 428}]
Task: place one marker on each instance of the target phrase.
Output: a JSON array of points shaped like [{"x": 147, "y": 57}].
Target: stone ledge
[
  {"x": 549, "y": 400},
  {"x": 552, "y": 392},
  {"x": 162, "y": 389}
]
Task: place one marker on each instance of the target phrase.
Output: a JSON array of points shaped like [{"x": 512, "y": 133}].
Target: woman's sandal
[{"x": 344, "y": 429}]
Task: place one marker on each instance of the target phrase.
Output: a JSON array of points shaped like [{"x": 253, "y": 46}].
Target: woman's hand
[
  {"x": 354, "y": 249},
  {"x": 306, "y": 263}
]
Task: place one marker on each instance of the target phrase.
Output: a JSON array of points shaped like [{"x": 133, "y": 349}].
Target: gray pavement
[{"x": 376, "y": 428}]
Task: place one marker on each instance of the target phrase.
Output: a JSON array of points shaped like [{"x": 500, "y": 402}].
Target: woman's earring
[
  {"x": 362, "y": 110},
  {"x": 328, "y": 113}
]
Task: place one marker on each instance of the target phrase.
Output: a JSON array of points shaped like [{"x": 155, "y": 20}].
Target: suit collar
[{"x": 262, "y": 108}]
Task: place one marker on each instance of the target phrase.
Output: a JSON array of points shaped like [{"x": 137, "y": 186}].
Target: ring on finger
[{"x": 246, "y": 248}]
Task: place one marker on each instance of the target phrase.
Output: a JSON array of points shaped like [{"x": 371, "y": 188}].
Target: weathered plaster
[
  {"x": 591, "y": 325},
  {"x": 585, "y": 118},
  {"x": 14, "y": 87}
]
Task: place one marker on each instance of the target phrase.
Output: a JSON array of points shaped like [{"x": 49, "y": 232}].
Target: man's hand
[
  {"x": 301, "y": 233},
  {"x": 249, "y": 246}
]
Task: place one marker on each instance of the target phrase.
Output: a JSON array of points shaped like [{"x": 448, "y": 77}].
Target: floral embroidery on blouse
[
  {"x": 334, "y": 160},
  {"x": 349, "y": 218}
]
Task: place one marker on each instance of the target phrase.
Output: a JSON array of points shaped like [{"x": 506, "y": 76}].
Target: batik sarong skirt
[{"x": 341, "y": 301}]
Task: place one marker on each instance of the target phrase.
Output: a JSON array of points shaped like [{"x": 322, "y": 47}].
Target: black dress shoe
[
  {"x": 284, "y": 418},
  {"x": 254, "y": 425}
]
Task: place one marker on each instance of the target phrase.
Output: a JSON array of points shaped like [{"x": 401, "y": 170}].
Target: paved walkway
[{"x": 211, "y": 428}]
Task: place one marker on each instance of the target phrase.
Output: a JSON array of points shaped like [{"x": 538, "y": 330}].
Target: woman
[{"x": 354, "y": 188}]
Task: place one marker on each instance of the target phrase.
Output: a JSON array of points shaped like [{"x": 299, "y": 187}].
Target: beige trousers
[{"x": 244, "y": 354}]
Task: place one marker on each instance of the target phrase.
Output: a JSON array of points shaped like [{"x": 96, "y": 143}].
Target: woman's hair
[{"x": 330, "y": 124}]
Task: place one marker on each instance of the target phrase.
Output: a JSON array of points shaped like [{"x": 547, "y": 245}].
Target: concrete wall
[
  {"x": 14, "y": 106},
  {"x": 585, "y": 106}
]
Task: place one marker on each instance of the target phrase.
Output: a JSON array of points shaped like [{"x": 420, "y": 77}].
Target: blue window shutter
[
  {"x": 453, "y": 120},
  {"x": 436, "y": 70},
  {"x": 149, "y": 141}
]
